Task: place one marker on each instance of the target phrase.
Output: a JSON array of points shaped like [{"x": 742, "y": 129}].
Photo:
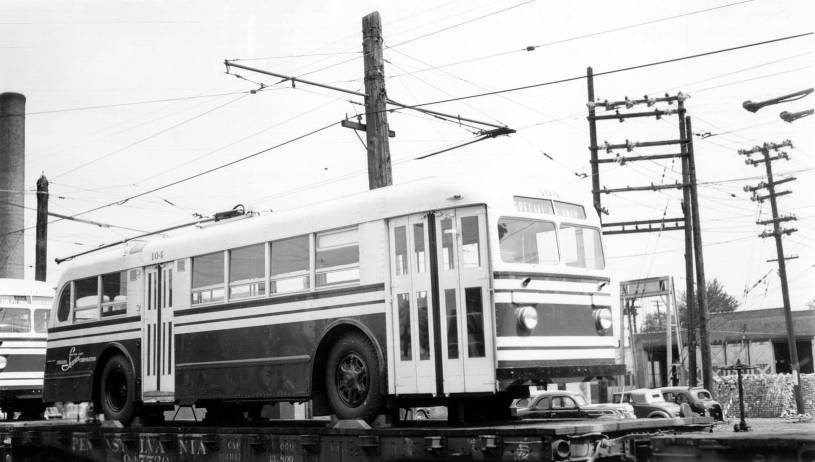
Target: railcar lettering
[
  {"x": 81, "y": 444},
  {"x": 192, "y": 446}
]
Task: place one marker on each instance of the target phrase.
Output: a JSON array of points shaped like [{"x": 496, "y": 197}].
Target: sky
[{"x": 125, "y": 97}]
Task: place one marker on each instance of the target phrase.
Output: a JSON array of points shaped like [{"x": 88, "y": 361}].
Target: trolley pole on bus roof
[{"x": 376, "y": 119}]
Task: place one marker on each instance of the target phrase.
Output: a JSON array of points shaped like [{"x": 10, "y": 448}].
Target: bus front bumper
[{"x": 512, "y": 375}]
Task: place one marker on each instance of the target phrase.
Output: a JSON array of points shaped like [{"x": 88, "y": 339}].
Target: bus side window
[
  {"x": 86, "y": 299},
  {"x": 64, "y": 306},
  {"x": 470, "y": 247},
  {"x": 114, "y": 293}
]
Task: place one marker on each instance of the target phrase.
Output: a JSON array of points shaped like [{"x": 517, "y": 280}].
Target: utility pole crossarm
[
  {"x": 777, "y": 220},
  {"x": 652, "y": 187}
]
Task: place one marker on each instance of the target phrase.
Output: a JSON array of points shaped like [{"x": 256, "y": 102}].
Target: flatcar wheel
[
  {"x": 117, "y": 390},
  {"x": 352, "y": 378}
]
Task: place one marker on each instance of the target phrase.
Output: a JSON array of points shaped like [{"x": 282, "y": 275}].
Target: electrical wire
[
  {"x": 614, "y": 71},
  {"x": 151, "y": 136},
  {"x": 135, "y": 103}
]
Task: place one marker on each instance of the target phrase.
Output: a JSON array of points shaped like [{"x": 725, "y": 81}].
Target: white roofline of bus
[{"x": 403, "y": 199}]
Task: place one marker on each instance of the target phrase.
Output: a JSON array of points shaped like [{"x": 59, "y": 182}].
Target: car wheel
[{"x": 352, "y": 378}]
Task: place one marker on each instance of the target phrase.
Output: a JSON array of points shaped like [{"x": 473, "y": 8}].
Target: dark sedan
[
  {"x": 699, "y": 399},
  {"x": 567, "y": 405}
]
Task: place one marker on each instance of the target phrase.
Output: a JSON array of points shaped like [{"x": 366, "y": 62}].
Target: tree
[
  {"x": 718, "y": 301},
  {"x": 653, "y": 322}
]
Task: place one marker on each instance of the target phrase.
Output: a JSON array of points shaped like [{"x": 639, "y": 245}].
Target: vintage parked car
[
  {"x": 699, "y": 399},
  {"x": 647, "y": 403},
  {"x": 567, "y": 405}
]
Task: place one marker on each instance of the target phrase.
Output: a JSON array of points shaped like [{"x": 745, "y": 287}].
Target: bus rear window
[
  {"x": 15, "y": 320},
  {"x": 527, "y": 241}
]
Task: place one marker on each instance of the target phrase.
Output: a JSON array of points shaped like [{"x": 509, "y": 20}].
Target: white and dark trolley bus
[
  {"x": 24, "y": 309},
  {"x": 427, "y": 292}
]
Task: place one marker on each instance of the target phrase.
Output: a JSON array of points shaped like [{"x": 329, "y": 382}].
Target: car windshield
[
  {"x": 580, "y": 400},
  {"x": 703, "y": 394}
]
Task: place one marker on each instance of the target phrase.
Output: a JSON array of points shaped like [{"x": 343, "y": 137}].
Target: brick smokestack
[{"x": 12, "y": 183}]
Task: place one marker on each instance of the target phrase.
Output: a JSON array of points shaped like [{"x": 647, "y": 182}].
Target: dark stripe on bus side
[
  {"x": 263, "y": 315},
  {"x": 88, "y": 325},
  {"x": 551, "y": 292},
  {"x": 434, "y": 291},
  {"x": 282, "y": 299},
  {"x": 548, "y": 276}
]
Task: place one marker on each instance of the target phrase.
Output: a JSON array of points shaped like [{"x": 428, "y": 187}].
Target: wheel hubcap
[
  {"x": 116, "y": 386},
  {"x": 352, "y": 380}
]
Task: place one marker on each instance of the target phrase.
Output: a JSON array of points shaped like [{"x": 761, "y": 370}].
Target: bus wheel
[
  {"x": 352, "y": 378},
  {"x": 117, "y": 391}
]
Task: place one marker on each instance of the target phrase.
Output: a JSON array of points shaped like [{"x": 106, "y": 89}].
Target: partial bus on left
[{"x": 24, "y": 309}]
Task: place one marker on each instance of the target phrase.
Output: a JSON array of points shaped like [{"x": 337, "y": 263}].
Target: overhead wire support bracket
[
  {"x": 621, "y": 116},
  {"x": 652, "y": 187},
  {"x": 644, "y": 226},
  {"x": 777, "y": 220},
  {"x": 631, "y": 145},
  {"x": 791, "y": 257},
  {"x": 624, "y": 159},
  {"x": 629, "y": 103}
]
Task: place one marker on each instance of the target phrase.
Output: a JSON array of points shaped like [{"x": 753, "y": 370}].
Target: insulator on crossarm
[
  {"x": 629, "y": 146},
  {"x": 628, "y": 103},
  {"x": 608, "y": 146}
]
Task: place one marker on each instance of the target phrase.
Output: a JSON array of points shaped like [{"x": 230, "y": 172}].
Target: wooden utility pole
[
  {"x": 690, "y": 300},
  {"x": 778, "y": 232},
  {"x": 701, "y": 285},
  {"x": 376, "y": 119},
  {"x": 685, "y": 222},
  {"x": 41, "y": 251}
]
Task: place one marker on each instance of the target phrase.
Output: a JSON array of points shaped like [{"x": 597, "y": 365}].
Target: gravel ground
[{"x": 769, "y": 426}]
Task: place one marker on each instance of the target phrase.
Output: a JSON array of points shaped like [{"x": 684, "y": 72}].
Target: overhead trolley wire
[
  {"x": 613, "y": 71},
  {"x": 135, "y": 103},
  {"x": 578, "y": 37},
  {"x": 151, "y": 136}
]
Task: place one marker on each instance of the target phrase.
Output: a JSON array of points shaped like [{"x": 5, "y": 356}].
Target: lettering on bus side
[
  {"x": 73, "y": 358},
  {"x": 157, "y": 255}
]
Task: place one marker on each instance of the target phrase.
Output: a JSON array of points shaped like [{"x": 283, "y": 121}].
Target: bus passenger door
[
  {"x": 464, "y": 290},
  {"x": 158, "y": 352},
  {"x": 412, "y": 306}
]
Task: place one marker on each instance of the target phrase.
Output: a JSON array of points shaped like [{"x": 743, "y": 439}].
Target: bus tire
[
  {"x": 352, "y": 378},
  {"x": 117, "y": 390}
]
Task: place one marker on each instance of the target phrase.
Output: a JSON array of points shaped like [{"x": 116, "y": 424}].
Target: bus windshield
[
  {"x": 15, "y": 320},
  {"x": 581, "y": 247},
  {"x": 527, "y": 241}
]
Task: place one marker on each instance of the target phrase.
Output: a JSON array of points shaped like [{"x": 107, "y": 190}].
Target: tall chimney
[{"x": 12, "y": 183}]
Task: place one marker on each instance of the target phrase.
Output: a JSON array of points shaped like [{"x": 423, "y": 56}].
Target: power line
[
  {"x": 578, "y": 37},
  {"x": 148, "y": 137},
  {"x": 614, "y": 71},
  {"x": 463, "y": 23},
  {"x": 134, "y": 103}
]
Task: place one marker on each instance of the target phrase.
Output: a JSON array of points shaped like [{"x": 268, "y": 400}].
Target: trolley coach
[
  {"x": 424, "y": 293},
  {"x": 24, "y": 309}
]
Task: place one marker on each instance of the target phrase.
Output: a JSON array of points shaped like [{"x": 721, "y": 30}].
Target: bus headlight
[
  {"x": 602, "y": 319},
  {"x": 3, "y": 362},
  {"x": 527, "y": 317}
]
